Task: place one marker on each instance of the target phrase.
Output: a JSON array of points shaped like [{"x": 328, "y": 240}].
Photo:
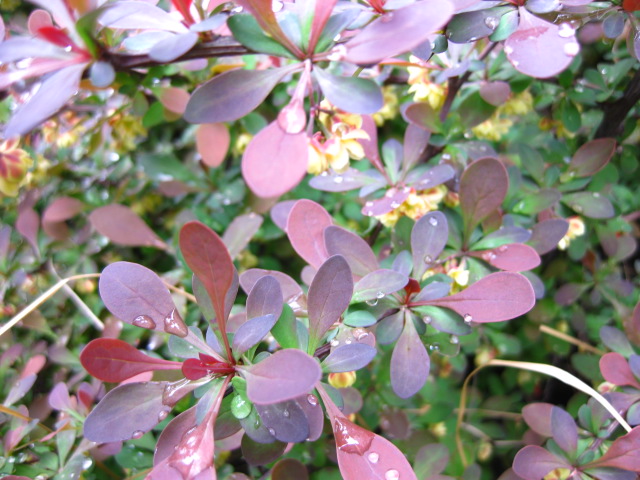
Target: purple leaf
[
  {"x": 432, "y": 291},
  {"x": 347, "y": 358},
  {"x": 495, "y": 93},
  {"x": 251, "y": 332},
  {"x": 483, "y": 186},
  {"x": 124, "y": 227},
  {"x": 17, "y": 48},
  {"x": 546, "y": 234},
  {"x": 623, "y": 453},
  {"x": 126, "y": 412},
  {"x": 428, "y": 238},
  {"x": 392, "y": 199},
  {"x": 616, "y": 340},
  {"x": 289, "y": 287},
  {"x": 354, "y": 249},
  {"x": 329, "y": 296},
  {"x": 538, "y": 417},
  {"x": 616, "y": 370},
  {"x": 305, "y": 229},
  {"x": 541, "y": 49},
  {"x": 370, "y": 146},
  {"x": 58, "y": 211},
  {"x": 590, "y": 204},
  {"x": 494, "y": 298},
  {"x": 28, "y": 224},
  {"x": 534, "y": 463},
  {"x": 569, "y": 293},
  {"x": 315, "y": 416},
  {"x": 173, "y": 47},
  {"x": 280, "y": 212},
  {"x": 389, "y": 329},
  {"x": 239, "y": 232},
  {"x": 137, "y": 296},
  {"x": 409, "y": 362},
  {"x": 415, "y": 142},
  {"x": 513, "y": 257},
  {"x": 351, "y": 94},
  {"x": 212, "y": 142},
  {"x": 564, "y": 429},
  {"x": 275, "y": 161},
  {"x": 172, "y": 433},
  {"x": 346, "y": 181},
  {"x": 255, "y": 453},
  {"x": 378, "y": 283},
  {"x": 233, "y": 94},
  {"x": 592, "y": 157},
  {"x": 286, "y": 421},
  {"x": 380, "y": 38},
  {"x": 422, "y": 115},
  {"x": 290, "y": 468},
  {"x": 421, "y": 180},
  {"x": 265, "y": 298},
  {"x": 139, "y": 16},
  {"x": 285, "y": 375}
]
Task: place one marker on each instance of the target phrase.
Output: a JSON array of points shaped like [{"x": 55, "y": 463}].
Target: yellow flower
[
  {"x": 241, "y": 143},
  {"x": 558, "y": 474},
  {"x": 493, "y": 128},
  {"x": 458, "y": 273},
  {"x": 576, "y": 229},
  {"x": 125, "y": 130},
  {"x": 342, "y": 380},
  {"x": 390, "y": 108},
  {"x": 520, "y": 104},
  {"x": 416, "y": 205},
  {"x": 14, "y": 163},
  {"x": 423, "y": 89}
]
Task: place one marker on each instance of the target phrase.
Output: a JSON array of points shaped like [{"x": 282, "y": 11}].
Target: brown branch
[
  {"x": 616, "y": 112},
  {"x": 221, "y": 47}
]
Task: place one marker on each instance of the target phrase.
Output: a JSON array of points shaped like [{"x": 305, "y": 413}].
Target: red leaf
[
  {"x": 323, "y": 9},
  {"x": 631, "y": 5},
  {"x": 275, "y": 161},
  {"x": 212, "y": 142},
  {"x": 208, "y": 258},
  {"x": 183, "y": 7},
  {"x": 123, "y": 226},
  {"x": 615, "y": 369},
  {"x": 592, "y": 157},
  {"x": 112, "y": 360},
  {"x": 55, "y": 36},
  {"x": 514, "y": 257},
  {"x": 58, "y": 211},
  {"x": 305, "y": 228},
  {"x": 533, "y": 462},
  {"x": 538, "y": 417},
  {"x": 174, "y": 99},
  {"x": 623, "y": 453},
  {"x": 494, "y": 298}
]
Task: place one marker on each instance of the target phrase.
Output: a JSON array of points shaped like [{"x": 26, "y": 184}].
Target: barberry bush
[{"x": 320, "y": 239}]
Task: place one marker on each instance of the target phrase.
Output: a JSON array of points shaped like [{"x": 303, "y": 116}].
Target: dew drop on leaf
[
  {"x": 380, "y": 295},
  {"x": 427, "y": 320},
  {"x": 286, "y": 414},
  {"x": 502, "y": 248},
  {"x": 467, "y": 318},
  {"x": 428, "y": 259},
  {"x": 144, "y": 321},
  {"x": 434, "y": 347},
  {"x": 173, "y": 391},
  {"x": 174, "y": 324},
  {"x": 351, "y": 438},
  {"x": 508, "y": 50},
  {"x": 571, "y": 49},
  {"x": 312, "y": 400},
  {"x": 433, "y": 221},
  {"x": 394, "y": 205},
  {"x": 137, "y": 434},
  {"x": 373, "y": 302},
  {"x": 492, "y": 22},
  {"x": 373, "y": 457},
  {"x": 338, "y": 179},
  {"x": 566, "y": 30},
  {"x": 272, "y": 431},
  {"x": 335, "y": 343},
  {"x": 454, "y": 339},
  {"x": 162, "y": 415},
  {"x": 392, "y": 474}
]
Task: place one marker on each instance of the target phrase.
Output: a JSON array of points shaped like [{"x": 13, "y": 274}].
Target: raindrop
[
  {"x": 566, "y": 30},
  {"x": 162, "y": 415},
  {"x": 473, "y": 39},
  {"x": 596, "y": 195},
  {"x": 337, "y": 53},
  {"x": 137, "y": 434},
  {"x": 368, "y": 204},
  {"x": 395, "y": 204},
  {"x": 428, "y": 259},
  {"x": 348, "y": 341},
  {"x": 86, "y": 464},
  {"x": 226, "y": 201},
  {"x": 434, "y": 347},
  {"x": 380, "y": 295},
  {"x": 492, "y": 22},
  {"x": 335, "y": 343},
  {"x": 312, "y": 400},
  {"x": 446, "y": 156},
  {"x": 467, "y": 318},
  {"x": 454, "y": 339},
  {"x": 338, "y": 179},
  {"x": 337, "y": 37},
  {"x": 372, "y": 302},
  {"x": 577, "y": 208},
  {"x": 392, "y": 474},
  {"x": 68, "y": 48},
  {"x": 468, "y": 135},
  {"x": 571, "y": 49},
  {"x": 256, "y": 423},
  {"x": 387, "y": 17},
  {"x": 373, "y": 457},
  {"x": 427, "y": 320},
  {"x": 272, "y": 431},
  {"x": 174, "y": 324},
  {"x": 503, "y": 248},
  {"x": 286, "y": 414},
  {"x": 173, "y": 391},
  {"x": 515, "y": 63},
  {"x": 144, "y": 321},
  {"x": 433, "y": 221},
  {"x": 359, "y": 334}
]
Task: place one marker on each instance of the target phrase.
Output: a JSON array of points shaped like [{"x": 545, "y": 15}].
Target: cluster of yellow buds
[
  {"x": 417, "y": 204},
  {"x": 423, "y": 89},
  {"x": 558, "y": 474},
  {"x": 64, "y": 132},
  {"x": 389, "y": 110},
  {"x": 576, "y": 229},
  {"x": 342, "y": 379},
  {"x": 557, "y": 126},
  {"x": 340, "y": 143},
  {"x": 499, "y": 123},
  {"x": 125, "y": 129},
  {"x": 14, "y": 164}
]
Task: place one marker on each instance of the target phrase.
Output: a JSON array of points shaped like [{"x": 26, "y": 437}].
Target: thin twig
[
  {"x": 180, "y": 291},
  {"x": 569, "y": 339}
]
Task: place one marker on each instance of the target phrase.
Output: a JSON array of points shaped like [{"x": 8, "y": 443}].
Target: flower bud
[{"x": 342, "y": 379}]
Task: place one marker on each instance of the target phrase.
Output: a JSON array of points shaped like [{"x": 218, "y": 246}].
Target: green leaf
[
  {"x": 246, "y": 30},
  {"x": 284, "y": 331}
]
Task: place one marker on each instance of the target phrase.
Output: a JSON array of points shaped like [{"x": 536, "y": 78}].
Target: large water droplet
[
  {"x": 508, "y": 50},
  {"x": 162, "y": 415},
  {"x": 467, "y": 318},
  {"x": 359, "y": 334},
  {"x": 428, "y": 259},
  {"x": 348, "y": 341},
  {"x": 503, "y": 248},
  {"x": 392, "y": 474},
  {"x": 174, "y": 391},
  {"x": 571, "y": 49},
  {"x": 434, "y": 347},
  {"x": 566, "y": 30},
  {"x": 373, "y": 457},
  {"x": 312, "y": 400},
  {"x": 286, "y": 414},
  {"x": 174, "y": 324},
  {"x": 137, "y": 434},
  {"x": 433, "y": 221},
  {"x": 372, "y": 302},
  {"x": 338, "y": 179},
  {"x": 272, "y": 431},
  {"x": 596, "y": 195},
  {"x": 335, "y": 343},
  {"x": 144, "y": 321},
  {"x": 380, "y": 295},
  {"x": 351, "y": 438},
  {"x": 454, "y": 339},
  {"x": 492, "y": 22}
]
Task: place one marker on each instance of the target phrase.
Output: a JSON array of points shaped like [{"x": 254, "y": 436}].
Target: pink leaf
[
  {"x": 494, "y": 298},
  {"x": 58, "y": 211},
  {"x": 623, "y": 453},
  {"x": 123, "y": 226},
  {"x": 354, "y": 249},
  {"x": 533, "y": 463},
  {"x": 305, "y": 228},
  {"x": 541, "y": 49},
  {"x": 409, "y": 362},
  {"x": 174, "y": 99},
  {"x": 513, "y": 257},
  {"x": 495, "y": 93},
  {"x": 275, "y": 161},
  {"x": 28, "y": 224},
  {"x": 212, "y": 142},
  {"x": 538, "y": 417},
  {"x": 239, "y": 232},
  {"x": 615, "y": 369},
  {"x": 112, "y": 360}
]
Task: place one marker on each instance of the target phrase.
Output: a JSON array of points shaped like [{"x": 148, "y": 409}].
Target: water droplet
[
  {"x": 373, "y": 457},
  {"x": 137, "y": 434},
  {"x": 174, "y": 324},
  {"x": 596, "y": 195},
  {"x": 368, "y": 204},
  {"x": 515, "y": 63},
  {"x": 272, "y": 431},
  {"x": 434, "y": 347},
  {"x": 566, "y": 30},
  {"x": 338, "y": 179},
  {"x": 433, "y": 221},
  {"x": 348, "y": 341},
  {"x": 86, "y": 463},
  {"x": 144, "y": 321},
  {"x": 373, "y": 302},
  {"x": 226, "y": 201},
  {"x": 257, "y": 423},
  {"x": 446, "y": 156},
  {"x": 467, "y": 318},
  {"x": 577, "y": 208},
  {"x": 335, "y": 343},
  {"x": 428, "y": 259},
  {"x": 380, "y": 295},
  {"x": 427, "y": 320},
  {"x": 503, "y": 248},
  {"x": 337, "y": 53},
  {"x": 162, "y": 415},
  {"x": 351, "y": 438},
  {"x": 286, "y": 414},
  {"x": 473, "y": 39},
  {"x": 454, "y": 339},
  {"x": 173, "y": 391},
  {"x": 387, "y": 17},
  {"x": 394, "y": 204},
  {"x": 359, "y": 334},
  {"x": 571, "y": 49},
  {"x": 492, "y": 22},
  {"x": 337, "y": 37},
  {"x": 312, "y": 400},
  {"x": 392, "y": 474}
]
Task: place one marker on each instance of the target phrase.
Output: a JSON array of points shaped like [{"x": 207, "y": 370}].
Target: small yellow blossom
[
  {"x": 560, "y": 130},
  {"x": 576, "y": 229},
  {"x": 125, "y": 130},
  {"x": 342, "y": 379},
  {"x": 498, "y": 125},
  {"x": 439, "y": 429},
  {"x": 241, "y": 143},
  {"x": 423, "y": 89},
  {"x": 417, "y": 204},
  {"x": 458, "y": 273},
  {"x": 558, "y": 474},
  {"x": 390, "y": 108},
  {"x": 520, "y": 104},
  {"x": 14, "y": 163}
]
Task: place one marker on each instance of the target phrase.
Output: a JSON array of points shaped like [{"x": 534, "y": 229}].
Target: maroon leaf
[
  {"x": 239, "y": 232},
  {"x": 322, "y": 12},
  {"x": 615, "y": 369},
  {"x": 623, "y": 453},
  {"x": 329, "y": 296},
  {"x": 592, "y": 157},
  {"x": 546, "y": 234},
  {"x": 285, "y": 375},
  {"x": 112, "y": 360},
  {"x": 347, "y": 358},
  {"x": 275, "y": 161},
  {"x": 494, "y": 298},
  {"x": 212, "y": 142},
  {"x": 170, "y": 48},
  {"x": 305, "y": 229},
  {"x": 428, "y": 238},
  {"x": 564, "y": 429},
  {"x": 172, "y": 433},
  {"x": 265, "y": 298},
  {"x": 534, "y": 463},
  {"x": 28, "y": 224},
  {"x": 422, "y": 115},
  {"x": 124, "y": 227},
  {"x": 569, "y": 293},
  {"x": 137, "y": 296},
  {"x": 126, "y": 412},
  {"x": 538, "y": 417},
  {"x": 632, "y": 325},
  {"x": 513, "y": 257},
  {"x": 541, "y": 49},
  {"x": 58, "y": 211},
  {"x": 351, "y": 94},
  {"x": 290, "y": 468},
  {"x": 416, "y": 140},
  {"x": 251, "y": 332},
  {"x": 409, "y": 362},
  {"x": 380, "y": 38},
  {"x": 377, "y": 284},
  {"x": 289, "y": 287},
  {"x": 370, "y": 145},
  {"x": 208, "y": 258},
  {"x": 315, "y": 416},
  {"x": 483, "y": 186},
  {"x": 433, "y": 177},
  {"x": 233, "y": 94},
  {"x": 354, "y": 249},
  {"x": 495, "y": 93}
]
